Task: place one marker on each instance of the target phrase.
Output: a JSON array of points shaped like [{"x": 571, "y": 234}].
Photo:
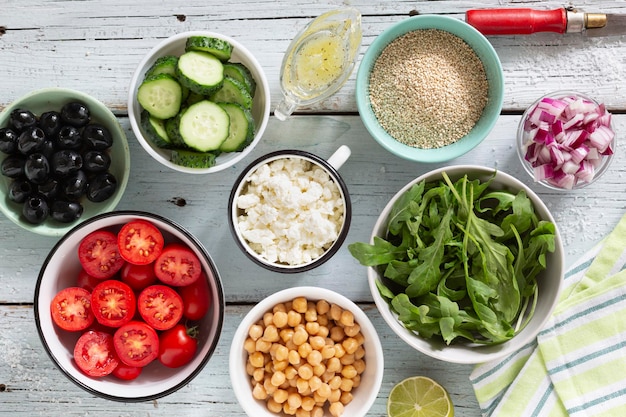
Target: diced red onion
[{"x": 566, "y": 139}]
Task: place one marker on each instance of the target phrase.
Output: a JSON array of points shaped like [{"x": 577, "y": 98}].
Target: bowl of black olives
[{"x": 63, "y": 158}]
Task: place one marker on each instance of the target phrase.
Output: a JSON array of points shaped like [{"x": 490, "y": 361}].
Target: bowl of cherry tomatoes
[{"x": 129, "y": 306}]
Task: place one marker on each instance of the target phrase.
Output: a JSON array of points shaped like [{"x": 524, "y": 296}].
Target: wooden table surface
[{"x": 95, "y": 45}]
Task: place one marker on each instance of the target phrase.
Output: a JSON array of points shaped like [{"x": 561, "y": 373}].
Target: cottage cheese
[{"x": 292, "y": 211}]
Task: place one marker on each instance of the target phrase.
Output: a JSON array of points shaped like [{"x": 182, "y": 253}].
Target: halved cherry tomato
[
  {"x": 87, "y": 281},
  {"x": 140, "y": 242},
  {"x": 99, "y": 254},
  {"x": 94, "y": 353},
  {"x": 71, "y": 309},
  {"x": 196, "y": 298},
  {"x": 177, "y": 266},
  {"x": 178, "y": 346},
  {"x": 138, "y": 277},
  {"x": 136, "y": 343},
  {"x": 160, "y": 306},
  {"x": 126, "y": 372},
  {"x": 113, "y": 303}
]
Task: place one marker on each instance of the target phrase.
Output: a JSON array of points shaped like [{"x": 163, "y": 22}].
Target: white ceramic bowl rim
[
  {"x": 134, "y": 109},
  {"x": 374, "y": 355},
  {"x": 51, "y": 227},
  {"x": 130, "y": 392},
  {"x": 494, "y": 75},
  {"x": 242, "y": 181},
  {"x": 606, "y": 161},
  {"x": 463, "y": 353}
]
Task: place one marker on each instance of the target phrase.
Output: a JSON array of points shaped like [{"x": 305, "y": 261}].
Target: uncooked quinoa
[{"x": 428, "y": 88}]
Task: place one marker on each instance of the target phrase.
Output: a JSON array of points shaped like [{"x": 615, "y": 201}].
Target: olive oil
[{"x": 319, "y": 60}]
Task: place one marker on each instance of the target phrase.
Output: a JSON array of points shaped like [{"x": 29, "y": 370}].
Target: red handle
[{"x": 517, "y": 21}]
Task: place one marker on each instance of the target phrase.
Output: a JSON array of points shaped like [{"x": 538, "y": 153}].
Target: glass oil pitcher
[{"x": 319, "y": 60}]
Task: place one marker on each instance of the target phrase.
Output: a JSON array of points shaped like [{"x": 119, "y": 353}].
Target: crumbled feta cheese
[{"x": 293, "y": 211}]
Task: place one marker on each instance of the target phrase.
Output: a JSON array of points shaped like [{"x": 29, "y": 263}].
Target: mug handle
[{"x": 340, "y": 156}]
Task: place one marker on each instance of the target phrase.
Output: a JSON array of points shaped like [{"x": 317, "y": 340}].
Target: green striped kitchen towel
[{"x": 577, "y": 364}]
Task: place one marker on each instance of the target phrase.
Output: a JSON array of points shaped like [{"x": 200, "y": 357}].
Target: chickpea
[
  {"x": 263, "y": 345},
  {"x": 286, "y": 335},
  {"x": 259, "y": 392},
  {"x": 249, "y": 368},
  {"x": 258, "y": 374},
  {"x": 349, "y": 371},
  {"x": 280, "y": 319},
  {"x": 337, "y": 334},
  {"x": 280, "y": 396},
  {"x": 300, "y": 336},
  {"x": 347, "y": 318},
  {"x": 314, "y": 358},
  {"x": 255, "y": 331},
  {"x": 267, "y": 318},
  {"x": 257, "y": 359},
  {"x": 305, "y": 371},
  {"x": 346, "y": 398},
  {"x": 312, "y": 327},
  {"x": 347, "y": 359},
  {"x": 280, "y": 365},
  {"x": 350, "y": 345},
  {"x": 317, "y": 342},
  {"x": 273, "y": 406},
  {"x": 300, "y": 412},
  {"x": 356, "y": 381},
  {"x": 327, "y": 376},
  {"x": 333, "y": 365},
  {"x": 249, "y": 345},
  {"x": 315, "y": 383},
  {"x": 294, "y": 357},
  {"x": 278, "y": 378},
  {"x": 305, "y": 350},
  {"x": 308, "y": 403},
  {"x": 359, "y": 365},
  {"x": 299, "y": 304},
  {"x": 335, "y": 382},
  {"x": 322, "y": 307},
  {"x": 324, "y": 390},
  {"x": 279, "y": 307},
  {"x": 335, "y": 312},
  {"x": 319, "y": 370},
  {"x": 353, "y": 330},
  {"x": 360, "y": 353},
  {"x": 293, "y": 318},
  {"x": 269, "y": 388},
  {"x": 322, "y": 330},
  {"x": 270, "y": 334},
  {"x": 327, "y": 352},
  {"x": 291, "y": 373},
  {"x": 317, "y": 411},
  {"x": 311, "y": 313},
  {"x": 302, "y": 385},
  {"x": 294, "y": 400},
  {"x": 335, "y": 396},
  {"x": 346, "y": 385},
  {"x": 339, "y": 351},
  {"x": 336, "y": 409}
]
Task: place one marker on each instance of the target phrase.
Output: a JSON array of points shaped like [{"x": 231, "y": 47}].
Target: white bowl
[
  {"x": 549, "y": 280},
  {"x": 60, "y": 270},
  {"x": 371, "y": 379},
  {"x": 175, "y": 45}
]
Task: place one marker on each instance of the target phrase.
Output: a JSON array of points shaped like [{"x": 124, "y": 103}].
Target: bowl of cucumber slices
[{"x": 199, "y": 102}]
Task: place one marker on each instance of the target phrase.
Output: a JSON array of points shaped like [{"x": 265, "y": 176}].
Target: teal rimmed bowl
[{"x": 490, "y": 114}]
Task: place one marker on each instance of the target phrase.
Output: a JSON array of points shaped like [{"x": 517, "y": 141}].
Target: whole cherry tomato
[
  {"x": 126, "y": 372},
  {"x": 177, "y": 346},
  {"x": 196, "y": 298}
]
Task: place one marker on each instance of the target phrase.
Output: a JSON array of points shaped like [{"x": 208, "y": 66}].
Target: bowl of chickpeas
[{"x": 306, "y": 351}]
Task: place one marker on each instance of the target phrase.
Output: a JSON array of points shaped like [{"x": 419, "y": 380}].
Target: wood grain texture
[{"x": 95, "y": 45}]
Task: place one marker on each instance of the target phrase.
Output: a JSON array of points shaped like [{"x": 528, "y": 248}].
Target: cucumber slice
[
  {"x": 204, "y": 126},
  {"x": 163, "y": 65},
  {"x": 193, "y": 159},
  {"x": 173, "y": 131},
  {"x": 241, "y": 73},
  {"x": 218, "y": 47},
  {"x": 241, "y": 130},
  {"x": 160, "y": 95},
  {"x": 233, "y": 91},
  {"x": 155, "y": 129},
  {"x": 200, "y": 72}
]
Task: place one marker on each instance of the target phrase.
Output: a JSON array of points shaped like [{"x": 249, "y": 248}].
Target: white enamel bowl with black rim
[
  {"x": 330, "y": 167},
  {"x": 549, "y": 281},
  {"x": 60, "y": 270}
]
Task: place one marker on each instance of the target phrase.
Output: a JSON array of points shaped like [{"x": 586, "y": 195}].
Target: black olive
[
  {"x": 74, "y": 185},
  {"x": 35, "y": 210},
  {"x": 48, "y": 149},
  {"x": 22, "y": 119},
  {"x": 8, "y": 140},
  {"x": 65, "y": 211},
  {"x": 96, "y": 161},
  {"x": 76, "y": 114},
  {"x": 20, "y": 189},
  {"x": 65, "y": 162},
  {"x": 69, "y": 137},
  {"x": 36, "y": 168},
  {"x": 50, "y": 123},
  {"x": 31, "y": 140},
  {"x": 101, "y": 187},
  {"x": 13, "y": 166},
  {"x": 50, "y": 189},
  {"x": 97, "y": 137}
]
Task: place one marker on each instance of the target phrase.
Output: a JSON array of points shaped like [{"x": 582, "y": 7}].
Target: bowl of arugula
[{"x": 465, "y": 264}]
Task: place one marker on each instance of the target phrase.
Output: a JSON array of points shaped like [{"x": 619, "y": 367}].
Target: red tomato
[
  {"x": 140, "y": 242},
  {"x": 87, "y": 281},
  {"x": 136, "y": 344},
  {"x": 196, "y": 298},
  {"x": 94, "y": 353},
  {"x": 99, "y": 254},
  {"x": 178, "y": 346},
  {"x": 126, "y": 372},
  {"x": 71, "y": 309},
  {"x": 177, "y": 265},
  {"x": 138, "y": 277},
  {"x": 113, "y": 303},
  {"x": 160, "y": 306}
]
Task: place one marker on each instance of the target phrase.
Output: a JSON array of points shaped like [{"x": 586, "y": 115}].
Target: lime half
[{"x": 419, "y": 396}]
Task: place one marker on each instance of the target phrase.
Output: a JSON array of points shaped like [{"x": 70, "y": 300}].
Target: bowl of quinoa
[{"x": 430, "y": 88}]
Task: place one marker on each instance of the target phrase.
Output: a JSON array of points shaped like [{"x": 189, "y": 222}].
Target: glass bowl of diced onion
[{"x": 566, "y": 140}]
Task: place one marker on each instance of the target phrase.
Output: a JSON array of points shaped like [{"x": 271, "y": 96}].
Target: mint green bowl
[
  {"x": 54, "y": 98},
  {"x": 493, "y": 70}
]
